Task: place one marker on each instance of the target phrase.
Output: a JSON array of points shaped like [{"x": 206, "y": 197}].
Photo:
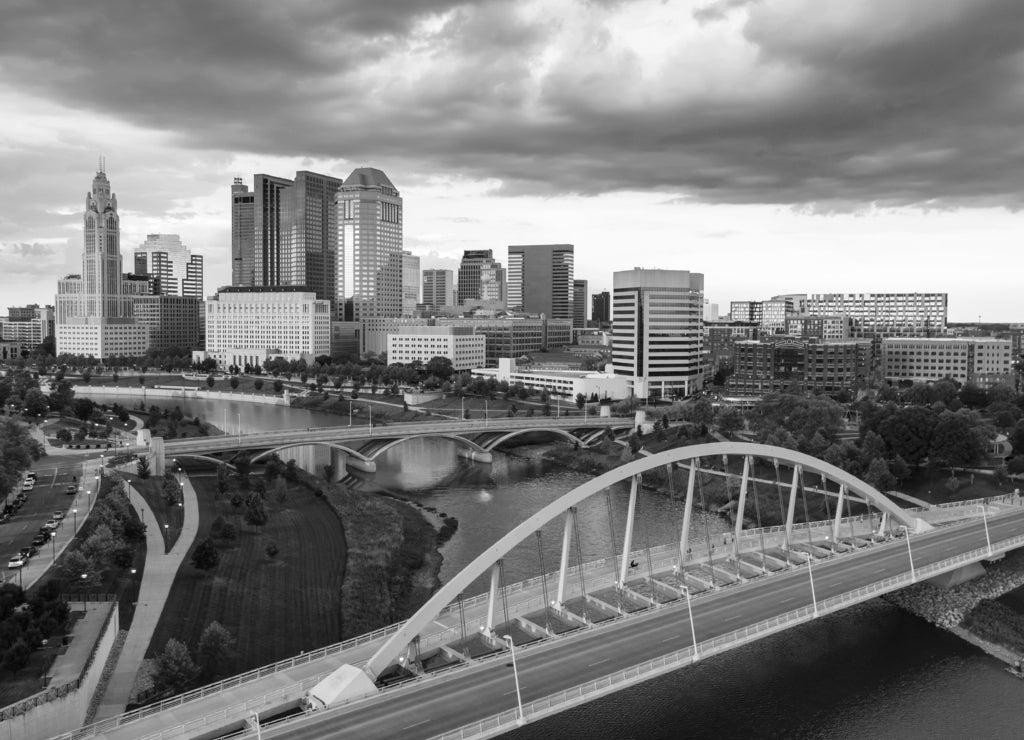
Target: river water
[{"x": 870, "y": 671}]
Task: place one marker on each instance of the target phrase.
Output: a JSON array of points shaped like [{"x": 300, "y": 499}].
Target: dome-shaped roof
[{"x": 369, "y": 177}]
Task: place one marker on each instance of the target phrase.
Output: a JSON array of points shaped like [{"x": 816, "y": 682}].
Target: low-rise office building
[
  {"x": 460, "y": 344},
  {"x": 782, "y": 363},
  {"x": 563, "y": 383},
  {"x": 984, "y": 361},
  {"x": 247, "y": 326}
]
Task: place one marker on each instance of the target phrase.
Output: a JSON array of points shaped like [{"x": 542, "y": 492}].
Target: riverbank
[
  {"x": 393, "y": 560},
  {"x": 948, "y": 608}
]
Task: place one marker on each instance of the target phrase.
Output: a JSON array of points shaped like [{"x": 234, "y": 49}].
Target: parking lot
[{"x": 49, "y": 495}]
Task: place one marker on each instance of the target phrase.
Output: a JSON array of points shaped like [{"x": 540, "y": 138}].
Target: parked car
[
  {"x": 5, "y": 517},
  {"x": 45, "y": 532},
  {"x": 16, "y": 561},
  {"x": 58, "y": 515},
  {"x": 70, "y": 490},
  {"x": 39, "y": 540},
  {"x": 29, "y": 552},
  {"x": 28, "y": 485},
  {"x": 51, "y": 524},
  {"x": 31, "y": 475}
]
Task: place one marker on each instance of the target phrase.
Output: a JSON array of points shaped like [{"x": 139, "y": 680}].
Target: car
[
  {"x": 45, "y": 532},
  {"x": 39, "y": 540},
  {"x": 16, "y": 561},
  {"x": 5, "y": 517},
  {"x": 31, "y": 475},
  {"x": 70, "y": 490},
  {"x": 58, "y": 515},
  {"x": 28, "y": 552},
  {"x": 28, "y": 485},
  {"x": 51, "y": 524}
]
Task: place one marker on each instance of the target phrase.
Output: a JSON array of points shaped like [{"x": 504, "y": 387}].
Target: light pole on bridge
[
  {"x": 689, "y": 611},
  {"x": 910, "y": 553},
  {"x": 515, "y": 672},
  {"x": 810, "y": 575}
]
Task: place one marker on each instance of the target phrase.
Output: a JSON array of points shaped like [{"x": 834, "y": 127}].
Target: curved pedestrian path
[{"x": 157, "y": 579}]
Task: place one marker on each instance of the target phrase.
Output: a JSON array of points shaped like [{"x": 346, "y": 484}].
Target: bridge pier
[
  {"x": 563, "y": 567},
  {"x": 339, "y": 461},
  {"x": 476, "y": 456},
  {"x": 684, "y": 537},
  {"x": 158, "y": 461},
  {"x": 839, "y": 513},
  {"x": 627, "y": 538},
  {"x": 744, "y": 483},
  {"x": 791, "y": 511}
]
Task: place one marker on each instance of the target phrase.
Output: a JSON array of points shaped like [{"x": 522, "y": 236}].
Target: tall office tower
[
  {"x": 270, "y": 213},
  {"x": 481, "y": 278},
  {"x": 886, "y": 314},
  {"x": 170, "y": 266},
  {"x": 243, "y": 234},
  {"x": 437, "y": 288},
  {"x": 601, "y": 308},
  {"x": 657, "y": 337},
  {"x": 580, "y": 294},
  {"x": 540, "y": 279},
  {"x": 410, "y": 283},
  {"x": 94, "y": 316},
  {"x": 309, "y": 237},
  {"x": 369, "y": 276}
]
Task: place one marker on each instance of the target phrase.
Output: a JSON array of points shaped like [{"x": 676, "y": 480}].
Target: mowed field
[{"x": 275, "y": 606}]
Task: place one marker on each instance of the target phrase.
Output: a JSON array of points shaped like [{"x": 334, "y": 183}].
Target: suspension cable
[
  {"x": 778, "y": 489},
  {"x": 462, "y": 618},
  {"x": 501, "y": 586},
  {"x": 807, "y": 516},
  {"x": 647, "y": 532},
  {"x": 757, "y": 508},
  {"x": 611, "y": 529},
  {"x": 706, "y": 517}
]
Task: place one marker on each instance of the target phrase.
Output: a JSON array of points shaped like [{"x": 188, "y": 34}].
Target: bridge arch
[
  {"x": 448, "y": 593},
  {"x": 493, "y": 444},
  {"x": 207, "y": 458},
  {"x": 462, "y": 441},
  {"x": 312, "y": 443}
]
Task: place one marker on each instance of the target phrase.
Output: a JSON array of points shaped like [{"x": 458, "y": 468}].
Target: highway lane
[{"x": 469, "y": 694}]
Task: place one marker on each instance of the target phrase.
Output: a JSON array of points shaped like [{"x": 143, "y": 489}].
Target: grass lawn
[
  {"x": 169, "y": 517},
  {"x": 246, "y": 384},
  {"x": 930, "y": 486},
  {"x": 274, "y": 606}
]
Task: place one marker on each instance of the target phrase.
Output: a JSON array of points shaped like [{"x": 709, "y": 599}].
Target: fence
[{"x": 506, "y": 721}]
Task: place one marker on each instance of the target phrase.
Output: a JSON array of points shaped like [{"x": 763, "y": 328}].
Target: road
[
  {"x": 470, "y": 694},
  {"x": 48, "y": 496}
]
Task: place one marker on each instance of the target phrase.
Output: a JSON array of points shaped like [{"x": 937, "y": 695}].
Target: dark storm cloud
[{"x": 848, "y": 103}]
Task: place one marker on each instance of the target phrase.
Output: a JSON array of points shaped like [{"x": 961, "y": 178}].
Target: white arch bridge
[{"x": 589, "y": 628}]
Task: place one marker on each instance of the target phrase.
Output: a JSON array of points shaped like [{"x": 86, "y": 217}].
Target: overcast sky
[{"x": 777, "y": 146}]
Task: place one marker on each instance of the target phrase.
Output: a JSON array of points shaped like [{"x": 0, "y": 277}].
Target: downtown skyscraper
[
  {"x": 369, "y": 274},
  {"x": 93, "y": 312},
  {"x": 540, "y": 279}
]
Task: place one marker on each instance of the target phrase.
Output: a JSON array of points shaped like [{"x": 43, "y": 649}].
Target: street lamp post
[
  {"x": 85, "y": 601},
  {"x": 984, "y": 518},
  {"x": 256, "y": 723},
  {"x": 515, "y": 673},
  {"x": 910, "y": 553},
  {"x": 350, "y": 412},
  {"x": 810, "y": 575},
  {"x": 693, "y": 629},
  {"x": 75, "y": 512},
  {"x": 53, "y": 548}
]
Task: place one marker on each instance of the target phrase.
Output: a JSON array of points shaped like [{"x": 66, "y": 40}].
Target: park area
[{"x": 276, "y": 587}]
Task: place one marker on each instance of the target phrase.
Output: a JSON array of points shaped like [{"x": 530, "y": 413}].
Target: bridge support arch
[{"x": 566, "y": 505}]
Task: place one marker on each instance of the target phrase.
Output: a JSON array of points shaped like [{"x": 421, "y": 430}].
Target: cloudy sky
[{"x": 776, "y": 145}]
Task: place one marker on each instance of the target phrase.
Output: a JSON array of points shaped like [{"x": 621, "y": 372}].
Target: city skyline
[{"x": 876, "y": 170}]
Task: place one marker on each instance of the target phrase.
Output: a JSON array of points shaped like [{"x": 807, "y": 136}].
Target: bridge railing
[{"x": 507, "y": 720}]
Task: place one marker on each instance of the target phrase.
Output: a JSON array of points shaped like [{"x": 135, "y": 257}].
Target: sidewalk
[{"x": 157, "y": 578}]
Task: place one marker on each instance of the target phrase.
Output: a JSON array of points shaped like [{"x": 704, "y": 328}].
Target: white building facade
[
  {"x": 657, "y": 333},
  {"x": 459, "y": 344},
  {"x": 247, "y": 326}
]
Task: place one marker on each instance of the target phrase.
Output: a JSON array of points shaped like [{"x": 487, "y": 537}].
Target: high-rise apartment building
[
  {"x": 437, "y": 288},
  {"x": 410, "y": 283},
  {"x": 885, "y": 314},
  {"x": 171, "y": 268},
  {"x": 657, "y": 337},
  {"x": 94, "y": 315},
  {"x": 29, "y": 325},
  {"x": 243, "y": 234},
  {"x": 601, "y": 308},
  {"x": 270, "y": 213},
  {"x": 369, "y": 275},
  {"x": 540, "y": 279},
  {"x": 580, "y": 295},
  {"x": 481, "y": 278}
]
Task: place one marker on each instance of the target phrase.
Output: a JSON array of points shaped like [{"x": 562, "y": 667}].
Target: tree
[
  {"x": 61, "y": 396},
  {"x": 16, "y": 656},
  {"x": 907, "y": 432},
  {"x": 278, "y": 386},
  {"x": 233, "y": 382},
  {"x": 142, "y": 467},
  {"x": 255, "y": 511},
  {"x": 973, "y": 396},
  {"x": 214, "y": 651},
  {"x": 271, "y": 549},
  {"x": 700, "y": 411},
  {"x": 36, "y": 404},
  {"x": 258, "y": 384},
  {"x": 878, "y": 475},
  {"x": 205, "y": 556},
  {"x": 114, "y": 377},
  {"x": 955, "y": 442},
  {"x": 175, "y": 670},
  {"x": 581, "y": 401},
  {"x": 873, "y": 447},
  {"x": 210, "y": 380},
  {"x": 729, "y": 420}
]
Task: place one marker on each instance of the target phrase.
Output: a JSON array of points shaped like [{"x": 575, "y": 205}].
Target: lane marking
[
  {"x": 421, "y": 722},
  {"x": 786, "y": 601},
  {"x": 598, "y": 662}
]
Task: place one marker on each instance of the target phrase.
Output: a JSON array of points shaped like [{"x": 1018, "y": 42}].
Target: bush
[
  {"x": 271, "y": 549},
  {"x": 236, "y": 500}
]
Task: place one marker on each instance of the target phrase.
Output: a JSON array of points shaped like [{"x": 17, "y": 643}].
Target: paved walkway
[{"x": 157, "y": 578}]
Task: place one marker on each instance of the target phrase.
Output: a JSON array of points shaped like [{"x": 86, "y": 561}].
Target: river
[{"x": 869, "y": 671}]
